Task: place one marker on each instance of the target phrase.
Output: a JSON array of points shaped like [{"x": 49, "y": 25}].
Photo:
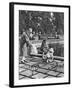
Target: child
[
  {"x": 24, "y": 43},
  {"x": 47, "y": 52},
  {"x": 44, "y": 46},
  {"x": 50, "y": 54},
  {"x": 44, "y": 50}
]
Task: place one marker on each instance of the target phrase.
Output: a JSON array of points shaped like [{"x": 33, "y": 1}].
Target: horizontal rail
[{"x": 55, "y": 57}]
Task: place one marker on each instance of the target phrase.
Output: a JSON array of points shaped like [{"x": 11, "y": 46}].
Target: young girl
[
  {"x": 24, "y": 43},
  {"x": 50, "y": 54}
]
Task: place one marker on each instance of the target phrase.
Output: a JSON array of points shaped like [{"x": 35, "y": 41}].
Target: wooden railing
[{"x": 55, "y": 57}]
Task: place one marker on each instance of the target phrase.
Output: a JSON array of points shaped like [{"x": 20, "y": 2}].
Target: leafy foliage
[{"x": 42, "y": 22}]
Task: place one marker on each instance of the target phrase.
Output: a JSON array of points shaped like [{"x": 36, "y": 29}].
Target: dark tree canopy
[{"x": 42, "y": 22}]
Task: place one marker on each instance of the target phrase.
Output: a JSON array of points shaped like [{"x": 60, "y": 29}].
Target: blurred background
[{"x": 41, "y": 25}]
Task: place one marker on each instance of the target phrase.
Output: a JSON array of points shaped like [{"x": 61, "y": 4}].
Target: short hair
[
  {"x": 50, "y": 46},
  {"x": 44, "y": 40}
]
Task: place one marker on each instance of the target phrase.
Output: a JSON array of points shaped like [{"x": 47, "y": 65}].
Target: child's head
[
  {"x": 50, "y": 46},
  {"x": 44, "y": 41}
]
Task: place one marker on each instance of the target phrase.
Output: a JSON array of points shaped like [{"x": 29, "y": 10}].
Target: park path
[{"x": 35, "y": 68}]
